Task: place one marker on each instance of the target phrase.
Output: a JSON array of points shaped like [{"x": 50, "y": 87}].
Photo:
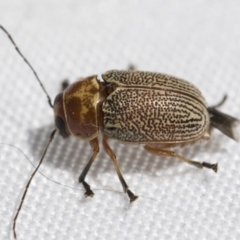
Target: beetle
[{"x": 153, "y": 109}]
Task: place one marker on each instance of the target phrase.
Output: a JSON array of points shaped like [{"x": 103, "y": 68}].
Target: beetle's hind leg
[
  {"x": 95, "y": 146},
  {"x": 223, "y": 122},
  {"x": 221, "y": 102},
  {"x": 111, "y": 154},
  {"x": 164, "y": 152}
]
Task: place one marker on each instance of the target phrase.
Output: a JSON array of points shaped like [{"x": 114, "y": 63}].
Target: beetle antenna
[
  {"x": 29, "y": 182},
  {"x": 33, "y": 70}
]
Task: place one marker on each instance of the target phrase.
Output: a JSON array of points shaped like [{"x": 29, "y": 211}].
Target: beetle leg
[
  {"x": 111, "y": 154},
  {"x": 221, "y": 102},
  {"x": 131, "y": 67},
  {"x": 164, "y": 152},
  {"x": 95, "y": 146}
]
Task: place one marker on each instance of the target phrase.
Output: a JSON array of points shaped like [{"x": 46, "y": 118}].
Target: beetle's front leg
[
  {"x": 164, "y": 152},
  {"x": 95, "y": 146},
  {"x": 111, "y": 154}
]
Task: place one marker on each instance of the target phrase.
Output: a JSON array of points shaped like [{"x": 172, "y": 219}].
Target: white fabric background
[{"x": 195, "y": 40}]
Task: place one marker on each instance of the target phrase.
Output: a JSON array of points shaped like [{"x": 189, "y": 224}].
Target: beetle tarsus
[
  {"x": 214, "y": 166},
  {"x": 131, "y": 196},
  {"x": 89, "y": 192}
]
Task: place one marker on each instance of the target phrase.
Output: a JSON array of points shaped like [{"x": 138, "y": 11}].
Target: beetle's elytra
[{"x": 156, "y": 110}]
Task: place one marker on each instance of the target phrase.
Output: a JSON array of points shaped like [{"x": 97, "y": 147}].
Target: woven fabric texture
[{"x": 194, "y": 40}]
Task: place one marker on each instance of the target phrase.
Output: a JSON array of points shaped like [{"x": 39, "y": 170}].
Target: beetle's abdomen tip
[{"x": 224, "y": 123}]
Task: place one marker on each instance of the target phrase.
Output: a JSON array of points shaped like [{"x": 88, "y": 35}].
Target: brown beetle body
[
  {"x": 141, "y": 107},
  {"x": 138, "y": 107},
  {"x": 154, "y": 109}
]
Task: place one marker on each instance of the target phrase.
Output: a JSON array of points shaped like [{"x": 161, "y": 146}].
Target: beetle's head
[{"x": 59, "y": 116}]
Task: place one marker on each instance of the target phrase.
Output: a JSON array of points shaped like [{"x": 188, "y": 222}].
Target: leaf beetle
[{"x": 153, "y": 109}]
